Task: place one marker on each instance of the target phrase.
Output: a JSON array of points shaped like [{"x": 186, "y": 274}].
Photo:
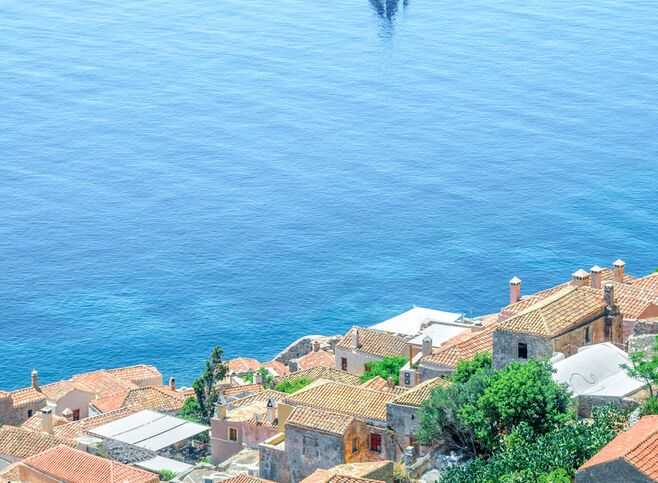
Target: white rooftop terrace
[
  {"x": 411, "y": 322},
  {"x": 150, "y": 430},
  {"x": 596, "y": 370},
  {"x": 439, "y": 333}
]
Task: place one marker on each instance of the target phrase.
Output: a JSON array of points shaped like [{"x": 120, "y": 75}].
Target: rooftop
[
  {"x": 104, "y": 383},
  {"x": 411, "y": 322},
  {"x": 439, "y": 333},
  {"x": 75, "y": 466},
  {"x": 246, "y": 479},
  {"x": 243, "y": 365},
  {"x": 378, "y": 383},
  {"x": 150, "y": 397},
  {"x": 316, "y": 359},
  {"x": 319, "y": 420},
  {"x": 374, "y": 342},
  {"x": 78, "y": 428},
  {"x": 416, "y": 395},
  {"x": 22, "y": 443},
  {"x": 328, "y": 476},
  {"x": 328, "y": 373},
  {"x": 638, "y": 446}
]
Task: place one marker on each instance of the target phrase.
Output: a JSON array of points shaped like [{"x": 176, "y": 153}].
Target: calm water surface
[{"x": 175, "y": 175}]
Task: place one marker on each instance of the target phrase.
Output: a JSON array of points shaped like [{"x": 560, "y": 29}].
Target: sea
[{"x": 179, "y": 175}]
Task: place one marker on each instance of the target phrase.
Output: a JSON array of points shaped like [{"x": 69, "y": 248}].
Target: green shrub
[
  {"x": 385, "y": 368},
  {"x": 292, "y": 385},
  {"x": 167, "y": 475},
  {"x": 467, "y": 368},
  {"x": 650, "y": 406}
]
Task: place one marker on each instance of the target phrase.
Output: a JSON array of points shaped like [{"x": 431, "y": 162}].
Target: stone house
[
  {"x": 316, "y": 358},
  {"x": 360, "y": 346},
  {"x": 239, "y": 424},
  {"x": 320, "y": 372},
  {"x": 631, "y": 456},
  {"x": 401, "y": 414},
  {"x": 159, "y": 398},
  {"x": 354, "y": 473}
]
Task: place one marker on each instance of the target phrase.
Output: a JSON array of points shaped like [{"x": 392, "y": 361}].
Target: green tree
[
  {"x": 650, "y": 406},
  {"x": 385, "y": 368},
  {"x": 644, "y": 367},
  {"x": 190, "y": 410},
  {"x": 292, "y": 385},
  {"x": 167, "y": 475},
  {"x": 205, "y": 387},
  {"x": 467, "y": 368}
]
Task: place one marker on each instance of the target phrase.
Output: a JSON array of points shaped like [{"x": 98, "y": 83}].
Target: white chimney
[
  {"x": 316, "y": 345},
  {"x": 68, "y": 414},
  {"x": 355, "y": 338},
  {"x": 595, "y": 274},
  {"x": 514, "y": 290},
  {"x": 427, "y": 346},
  {"x": 580, "y": 278},
  {"x": 47, "y": 420},
  {"x": 618, "y": 268},
  {"x": 220, "y": 408},
  {"x": 271, "y": 411},
  {"x": 258, "y": 377}
]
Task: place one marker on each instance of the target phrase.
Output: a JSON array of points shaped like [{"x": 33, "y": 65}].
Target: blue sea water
[{"x": 175, "y": 175}]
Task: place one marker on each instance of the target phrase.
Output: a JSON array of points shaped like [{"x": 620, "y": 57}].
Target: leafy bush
[
  {"x": 190, "y": 410},
  {"x": 385, "y": 368},
  {"x": 467, "y": 368},
  {"x": 650, "y": 406},
  {"x": 644, "y": 367},
  {"x": 167, "y": 475},
  {"x": 292, "y": 385}
]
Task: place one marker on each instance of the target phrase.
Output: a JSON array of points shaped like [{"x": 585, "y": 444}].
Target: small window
[
  {"x": 343, "y": 363},
  {"x": 588, "y": 335},
  {"x": 523, "y": 350},
  {"x": 76, "y": 415},
  {"x": 29, "y": 413},
  {"x": 355, "y": 445},
  {"x": 232, "y": 434},
  {"x": 310, "y": 446},
  {"x": 366, "y": 367},
  {"x": 376, "y": 442}
]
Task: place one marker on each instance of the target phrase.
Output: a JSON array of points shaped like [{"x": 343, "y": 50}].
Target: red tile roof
[
  {"x": 278, "y": 368},
  {"x": 316, "y": 359},
  {"x": 75, "y": 466},
  {"x": 247, "y": 479},
  {"x": 463, "y": 346},
  {"x": 243, "y": 365},
  {"x": 104, "y": 383},
  {"x": 26, "y": 396},
  {"x": 138, "y": 374},
  {"x": 374, "y": 342},
  {"x": 22, "y": 443},
  {"x": 150, "y": 397},
  {"x": 638, "y": 446}
]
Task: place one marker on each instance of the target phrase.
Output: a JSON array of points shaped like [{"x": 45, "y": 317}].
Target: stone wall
[
  {"x": 304, "y": 458},
  {"x": 18, "y": 415},
  {"x": 273, "y": 463},
  {"x": 588, "y": 402},
  {"x": 356, "y": 361},
  {"x": 403, "y": 421},
  {"x": 644, "y": 336},
  {"x": 427, "y": 371},
  {"x": 304, "y": 345},
  {"x": 125, "y": 453},
  {"x": 505, "y": 347}
]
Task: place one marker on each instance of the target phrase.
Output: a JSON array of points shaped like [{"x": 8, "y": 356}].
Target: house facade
[{"x": 360, "y": 347}]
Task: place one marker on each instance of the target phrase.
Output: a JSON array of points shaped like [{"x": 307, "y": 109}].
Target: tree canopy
[
  {"x": 205, "y": 387},
  {"x": 385, "y": 368}
]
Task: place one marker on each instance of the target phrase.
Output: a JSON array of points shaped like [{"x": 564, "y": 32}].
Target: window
[
  {"x": 366, "y": 367},
  {"x": 355, "y": 445},
  {"x": 522, "y": 351},
  {"x": 407, "y": 379},
  {"x": 588, "y": 335},
  {"x": 376, "y": 442},
  {"x": 232, "y": 434},
  {"x": 310, "y": 446},
  {"x": 29, "y": 413},
  {"x": 76, "y": 415},
  {"x": 343, "y": 363}
]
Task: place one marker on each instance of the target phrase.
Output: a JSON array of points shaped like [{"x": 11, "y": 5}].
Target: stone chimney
[
  {"x": 595, "y": 275},
  {"x": 580, "y": 278},
  {"x": 68, "y": 414},
  {"x": 390, "y": 383},
  {"x": 172, "y": 383},
  {"x": 258, "y": 377},
  {"x": 427, "y": 346},
  {"x": 618, "y": 268},
  {"x": 220, "y": 408},
  {"x": 35, "y": 380},
  {"x": 609, "y": 294},
  {"x": 514, "y": 290},
  {"x": 47, "y": 420},
  {"x": 355, "y": 338},
  {"x": 271, "y": 411},
  {"x": 316, "y": 346}
]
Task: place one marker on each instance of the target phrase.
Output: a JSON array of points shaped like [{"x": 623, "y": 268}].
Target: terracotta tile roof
[
  {"x": 150, "y": 397},
  {"x": 34, "y": 423},
  {"x": 328, "y": 476},
  {"x": 378, "y": 383},
  {"x": 375, "y": 342},
  {"x": 319, "y": 420},
  {"x": 138, "y": 374},
  {"x": 416, "y": 395},
  {"x": 22, "y": 443},
  {"x": 78, "y": 428},
  {"x": 638, "y": 446},
  {"x": 28, "y": 395},
  {"x": 632, "y": 300},
  {"x": 76, "y": 466},
  {"x": 328, "y": 373},
  {"x": 104, "y": 383},
  {"x": 247, "y": 389},
  {"x": 57, "y": 390},
  {"x": 362, "y": 470},
  {"x": 649, "y": 282},
  {"x": 243, "y": 365},
  {"x": 344, "y": 399},
  {"x": 557, "y": 313},
  {"x": 11, "y": 474},
  {"x": 462, "y": 347},
  {"x": 277, "y": 368},
  {"x": 258, "y": 397},
  {"x": 316, "y": 359},
  {"x": 247, "y": 479}
]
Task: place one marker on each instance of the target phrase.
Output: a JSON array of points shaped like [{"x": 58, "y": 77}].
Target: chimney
[
  {"x": 47, "y": 420},
  {"x": 172, "y": 383},
  {"x": 427, "y": 346},
  {"x": 580, "y": 278},
  {"x": 514, "y": 290},
  {"x": 595, "y": 274},
  {"x": 68, "y": 414},
  {"x": 220, "y": 408},
  {"x": 35, "y": 380},
  {"x": 258, "y": 377},
  {"x": 618, "y": 268},
  {"x": 316, "y": 346},
  {"x": 390, "y": 383},
  {"x": 609, "y": 294},
  {"x": 271, "y": 411},
  {"x": 231, "y": 378},
  {"x": 355, "y": 338}
]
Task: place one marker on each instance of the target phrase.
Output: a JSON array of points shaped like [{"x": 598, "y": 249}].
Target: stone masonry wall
[
  {"x": 505, "y": 347},
  {"x": 304, "y": 459},
  {"x": 304, "y": 345},
  {"x": 613, "y": 471}
]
